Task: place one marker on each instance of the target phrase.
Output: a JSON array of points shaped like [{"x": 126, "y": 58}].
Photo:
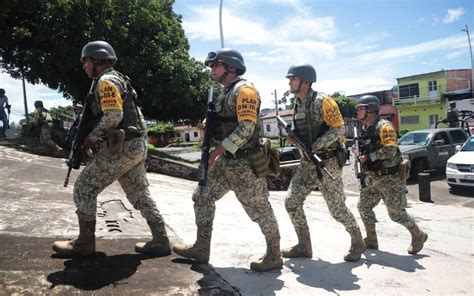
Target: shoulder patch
[
  {"x": 331, "y": 114},
  {"x": 247, "y": 104},
  {"x": 387, "y": 135},
  {"x": 110, "y": 97}
]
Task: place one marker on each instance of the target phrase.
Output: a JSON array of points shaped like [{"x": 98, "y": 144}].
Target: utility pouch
[
  {"x": 341, "y": 154},
  {"x": 115, "y": 139},
  {"x": 404, "y": 169},
  {"x": 265, "y": 161}
]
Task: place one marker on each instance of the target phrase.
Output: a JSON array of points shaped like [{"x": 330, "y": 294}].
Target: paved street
[{"x": 37, "y": 210}]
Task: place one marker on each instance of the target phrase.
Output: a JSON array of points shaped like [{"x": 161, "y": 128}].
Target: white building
[
  {"x": 270, "y": 124},
  {"x": 188, "y": 133}
]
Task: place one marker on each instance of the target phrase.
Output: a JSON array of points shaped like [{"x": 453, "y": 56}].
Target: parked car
[
  {"x": 431, "y": 148},
  {"x": 460, "y": 167}
]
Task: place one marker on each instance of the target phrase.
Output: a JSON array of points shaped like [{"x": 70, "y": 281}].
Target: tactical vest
[
  {"x": 309, "y": 126},
  {"x": 133, "y": 120},
  {"x": 226, "y": 114},
  {"x": 371, "y": 137}
]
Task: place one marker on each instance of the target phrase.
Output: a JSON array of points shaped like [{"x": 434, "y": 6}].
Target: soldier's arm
[
  {"x": 388, "y": 138},
  {"x": 247, "y": 106},
  {"x": 333, "y": 118},
  {"x": 112, "y": 107}
]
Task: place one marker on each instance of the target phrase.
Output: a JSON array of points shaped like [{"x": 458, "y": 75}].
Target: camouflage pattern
[
  {"x": 46, "y": 139},
  {"x": 106, "y": 167},
  {"x": 306, "y": 180},
  {"x": 306, "y": 177},
  {"x": 235, "y": 174},
  {"x": 389, "y": 188}
]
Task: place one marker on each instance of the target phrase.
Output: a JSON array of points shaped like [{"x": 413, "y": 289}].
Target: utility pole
[
  {"x": 220, "y": 24},
  {"x": 24, "y": 98},
  {"x": 280, "y": 138},
  {"x": 472, "y": 60}
]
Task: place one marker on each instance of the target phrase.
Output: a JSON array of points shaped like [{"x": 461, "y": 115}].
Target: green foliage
[
  {"x": 346, "y": 105},
  {"x": 287, "y": 98},
  {"x": 161, "y": 127},
  {"x": 42, "y": 40}
]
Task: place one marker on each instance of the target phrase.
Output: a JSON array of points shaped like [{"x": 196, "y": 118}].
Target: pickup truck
[{"x": 430, "y": 149}]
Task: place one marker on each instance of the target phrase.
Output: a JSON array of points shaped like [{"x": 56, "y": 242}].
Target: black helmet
[
  {"x": 370, "y": 101},
  {"x": 452, "y": 104},
  {"x": 99, "y": 50},
  {"x": 78, "y": 107},
  {"x": 38, "y": 104},
  {"x": 2, "y": 91},
  {"x": 305, "y": 72},
  {"x": 229, "y": 57}
]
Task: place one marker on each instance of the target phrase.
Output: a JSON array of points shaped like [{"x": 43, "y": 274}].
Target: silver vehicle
[{"x": 460, "y": 167}]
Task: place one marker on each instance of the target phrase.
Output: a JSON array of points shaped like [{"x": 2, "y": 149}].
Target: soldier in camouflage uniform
[
  {"x": 236, "y": 135},
  {"x": 318, "y": 122},
  {"x": 119, "y": 124},
  {"x": 380, "y": 159},
  {"x": 43, "y": 122}
]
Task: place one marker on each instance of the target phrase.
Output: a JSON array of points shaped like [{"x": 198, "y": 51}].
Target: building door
[
  {"x": 433, "y": 90},
  {"x": 433, "y": 120}
]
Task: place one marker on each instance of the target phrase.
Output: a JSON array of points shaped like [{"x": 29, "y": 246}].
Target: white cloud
[
  {"x": 357, "y": 25},
  {"x": 453, "y": 55},
  {"x": 453, "y": 15}
]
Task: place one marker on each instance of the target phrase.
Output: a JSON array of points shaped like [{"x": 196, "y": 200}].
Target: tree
[
  {"x": 347, "y": 106},
  {"x": 42, "y": 40},
  {"x": 287, "y": 98}
]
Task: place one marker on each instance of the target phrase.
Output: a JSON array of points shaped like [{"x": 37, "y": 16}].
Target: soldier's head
[
  {"x": 225, "y": 62},
  {"x": 452, "y": 104},
  {"x": 301, "y": 76},
  {"x": 367, "y": 106},
  {"x": 78, "y": 108},
  {"x": 97, "y": 56},
  {"x": 38, "y": 104},
  {"x": 2, "y": 92}
]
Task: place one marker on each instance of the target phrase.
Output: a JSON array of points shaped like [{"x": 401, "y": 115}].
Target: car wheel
[{"x": 416, "y": 168}]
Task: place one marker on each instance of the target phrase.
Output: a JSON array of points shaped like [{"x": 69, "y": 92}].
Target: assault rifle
[
  {"x": 357, "y": 164},
  {"x": 84, "y": 128},
  {"x": 312, "y": 156},
  {"x": 206, "y": 144}
]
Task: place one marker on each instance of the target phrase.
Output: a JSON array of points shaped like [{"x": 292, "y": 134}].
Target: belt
[
  {"x": 327, "y": 154},
  {"x": 238, "y": 154},
  {"x": 386, "y": 171}
]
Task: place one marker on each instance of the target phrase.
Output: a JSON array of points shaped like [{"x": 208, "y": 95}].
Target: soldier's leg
[
  {"x": 301, "y": 185},
  {"x": 369, "y": 199},
  {"x": 205, "y": 198},
  {"x": 333, "y": 193},
  {"x": 394, "y": 197},
  {"x": 94, "y": 178},
  {"x": 46, "y": 139},
  {"x": 253, "y": 195}
]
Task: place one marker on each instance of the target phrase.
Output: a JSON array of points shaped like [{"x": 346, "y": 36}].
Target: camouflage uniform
[
  {"x": 43, "y": 117},
  {"x": 383, "y": 185},
  {"x": 127, "y": 167},
  {"x": 307, "y": 177},
  {"x": 233, "y": 171}
]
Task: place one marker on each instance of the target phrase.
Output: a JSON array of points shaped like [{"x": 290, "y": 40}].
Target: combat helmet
[
  {"x": 229, "y": 57},
  {"x": 305, "y": 72},
  {"x": 369, "y": 101},
  {"x": 99, "y": 50},
  {"x": 38, "y": 104}
]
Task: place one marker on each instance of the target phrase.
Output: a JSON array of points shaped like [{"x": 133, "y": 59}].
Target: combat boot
[
  {"x": 272, "y": 258},
  {"x": 357, "y": 246},
  {"x": 371, "y": 241},
  {"x": 303, "y": 248},
  {"x": 201, "y": 249},
  {"x": 418, "y": 238},
  {"x": 159, "y": 245},
  {"x": 83, "y": 245}
]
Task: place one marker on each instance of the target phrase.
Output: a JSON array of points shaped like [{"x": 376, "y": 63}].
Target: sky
[{"x": 355, "y": 46}]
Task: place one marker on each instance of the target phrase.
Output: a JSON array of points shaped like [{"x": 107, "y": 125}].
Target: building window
[
  {"x": 414, "y": 119},
  {"x": 195, "y": 134},
  {"x": 432, "y": 85},
  {"x": 434, "y": 119},
  {"x": 268, "y": 128},
  {"x": 410, "y": 90}
]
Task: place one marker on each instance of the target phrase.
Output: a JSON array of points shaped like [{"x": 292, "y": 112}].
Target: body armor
[{"x": 226, "y": 115}]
